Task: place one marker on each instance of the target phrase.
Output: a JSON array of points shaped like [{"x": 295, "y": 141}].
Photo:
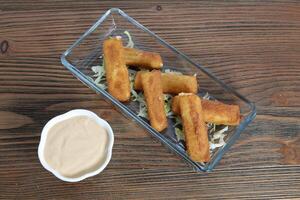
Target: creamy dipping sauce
[{"x": 76, "y": 146}]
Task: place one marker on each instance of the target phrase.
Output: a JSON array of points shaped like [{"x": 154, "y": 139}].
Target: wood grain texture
[{"x": 254, "y": 46}]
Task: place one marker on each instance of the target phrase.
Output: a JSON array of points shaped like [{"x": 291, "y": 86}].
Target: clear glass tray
[{"x": 87, "y": 50}]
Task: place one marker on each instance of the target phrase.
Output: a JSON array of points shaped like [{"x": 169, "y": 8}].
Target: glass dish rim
[{"x": 198, "y": 167}]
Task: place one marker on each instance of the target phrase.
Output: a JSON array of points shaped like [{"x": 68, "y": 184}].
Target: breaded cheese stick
[
  {"x": 194, "y": 128},
  {"x": 214, "y": 111},
  {"x": 220, "y": 113},
  {"x": 151, "y": 82},
  {"x": 172, "y": 83},
  {"x": 142, "y": 59},
  {"x": 116, "y": 71}
]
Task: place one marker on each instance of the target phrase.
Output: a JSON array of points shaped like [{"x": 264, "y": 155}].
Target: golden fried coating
[
  {"x": 194, "y": 128},
  {"x": 142, "y": 59},
  {"x": 116, "y": 71},
  {"x": 172, "y": 83},
  {"x": 214, "y": 111},
  {"x": 220, "y": 113},
  {"x": 151, "y": 83}
]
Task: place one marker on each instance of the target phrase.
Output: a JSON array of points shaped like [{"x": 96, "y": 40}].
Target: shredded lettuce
[
  {"x": 139, "y": 97},
  {"x": 168, "y": 102},
  {"x": 211, "y": 127},
  {"x": 143, "y": 110},
  {"x": 217, "y": 138},
  {"x": 99, "y": 75},
  {"x": 130, "y": 43},
  {"x": 206, "y": 96},
  {"x": 178, "y": 121},
  {"x": 179, "y": 134},
  {"x": 132, "y": 74},
  {"x": 219, "y": 134},
  {"x": 172, "y": 71}
]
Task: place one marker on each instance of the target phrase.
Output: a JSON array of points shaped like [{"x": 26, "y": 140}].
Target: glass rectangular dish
[{"x": 87, "y": 50}]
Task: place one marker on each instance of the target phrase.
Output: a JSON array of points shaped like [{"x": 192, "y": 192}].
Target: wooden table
[{"x": 254, "y": 46}]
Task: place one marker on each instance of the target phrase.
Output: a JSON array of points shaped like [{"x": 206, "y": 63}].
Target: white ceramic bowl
[{"x": 59, "y": 118}]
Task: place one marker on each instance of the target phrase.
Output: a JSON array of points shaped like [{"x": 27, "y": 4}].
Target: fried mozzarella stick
[
  {"x": 116, "y": 71},
  {"x": 214, "y": 111},
  {"x": 194, "y": 127},
  {"x": 151, "y": 82},
  {"x": 142, "y": 59},
  {"x": 172, "y": 83}
]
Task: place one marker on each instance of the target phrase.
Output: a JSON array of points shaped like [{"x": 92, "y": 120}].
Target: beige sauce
[{"x": 76, "y": 146}]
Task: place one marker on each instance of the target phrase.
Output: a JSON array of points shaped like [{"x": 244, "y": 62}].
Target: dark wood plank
[{"x": 254, "y": 46}]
